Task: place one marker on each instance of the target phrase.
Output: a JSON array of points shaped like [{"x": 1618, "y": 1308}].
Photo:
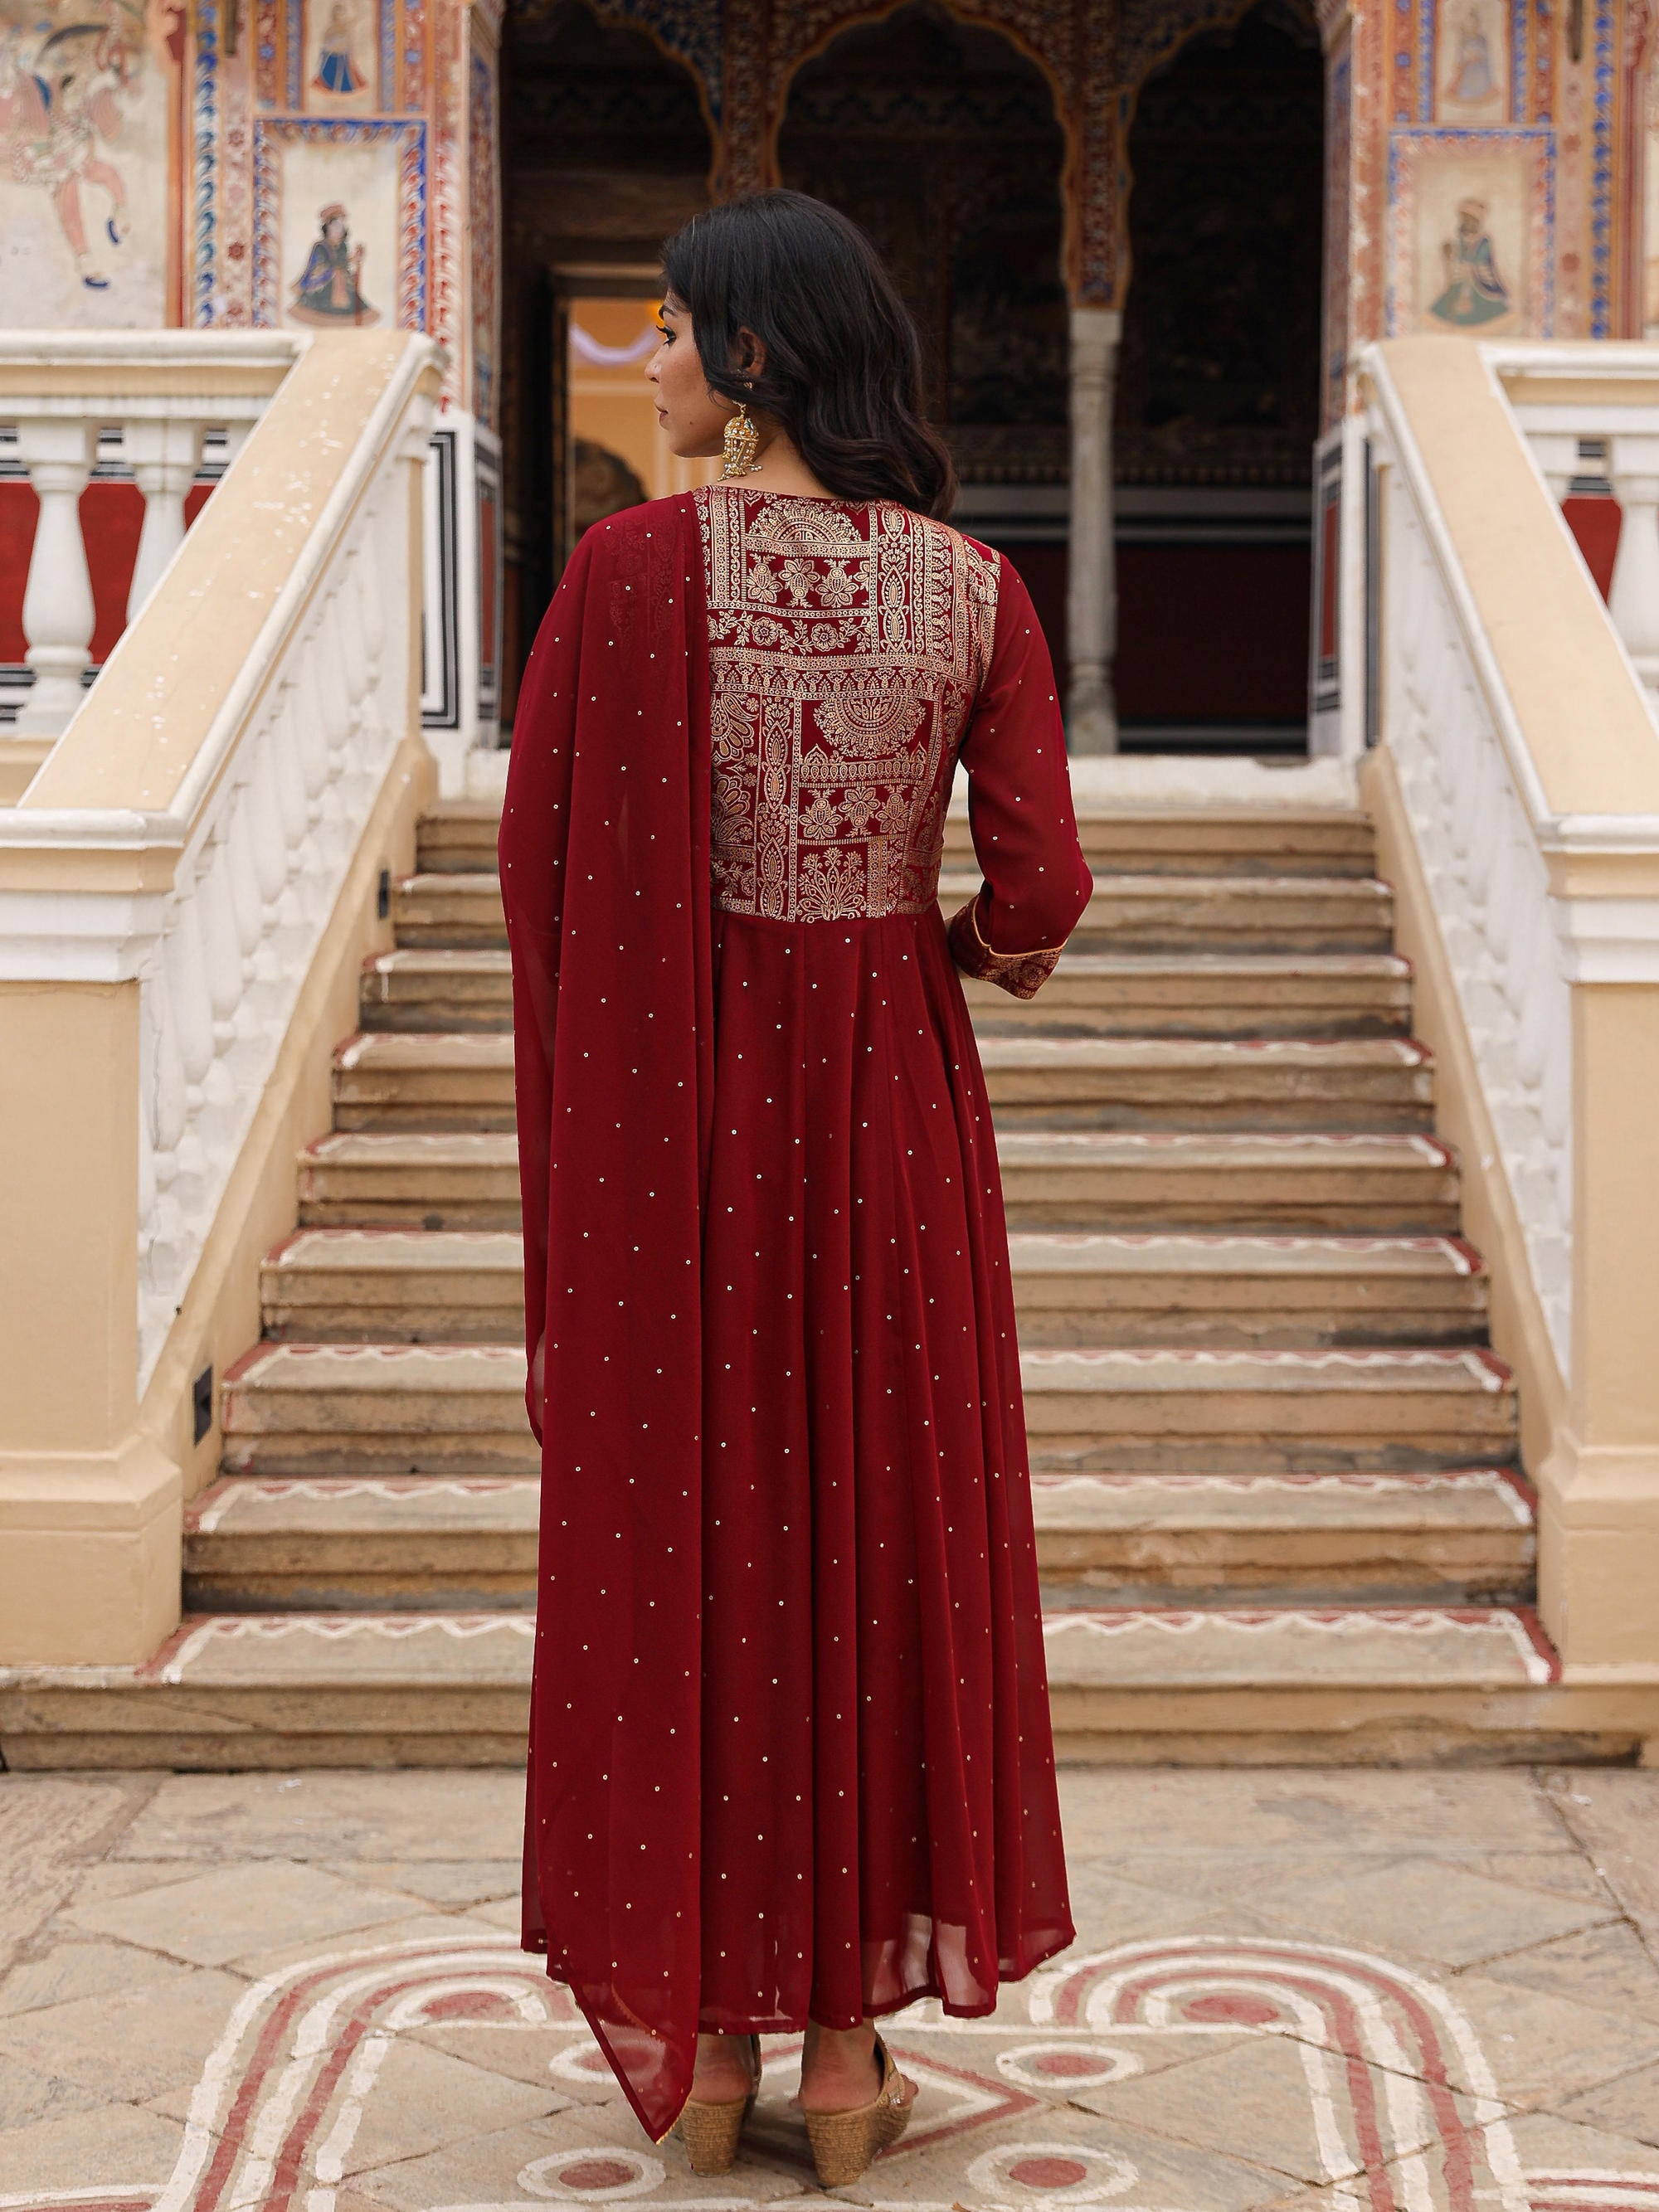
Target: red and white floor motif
[{"x": 1402, "y": 2107}]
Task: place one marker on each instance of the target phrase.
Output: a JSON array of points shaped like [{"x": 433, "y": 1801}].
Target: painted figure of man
[
  {"x": 327, "y": 291},
  {"x": 1474, "y": 292}
]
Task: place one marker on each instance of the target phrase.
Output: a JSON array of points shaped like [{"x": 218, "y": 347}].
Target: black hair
[{"x": 842, "y": 375}]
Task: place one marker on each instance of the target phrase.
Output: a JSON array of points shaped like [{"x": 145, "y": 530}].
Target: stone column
[{"x": 1091, "y": 599}]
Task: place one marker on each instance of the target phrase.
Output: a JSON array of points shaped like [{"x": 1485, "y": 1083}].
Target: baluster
[
  {"x": 164, "y": 456},
  {"x": 1634, "y": 598},
  {"x": 57, "y": 609}
]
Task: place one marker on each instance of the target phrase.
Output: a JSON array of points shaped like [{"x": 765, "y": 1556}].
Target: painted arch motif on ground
[{"x": 1393, "y": 2105}]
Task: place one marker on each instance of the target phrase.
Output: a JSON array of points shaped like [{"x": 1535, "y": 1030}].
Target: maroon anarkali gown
[{"x": 790, "y": 1747}]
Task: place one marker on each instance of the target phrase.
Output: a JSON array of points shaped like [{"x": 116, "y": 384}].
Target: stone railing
[
  {"x": 1515, "y": 783},
  {"x": 141, "y": 401},
  {"x": 165, "y": 883}
]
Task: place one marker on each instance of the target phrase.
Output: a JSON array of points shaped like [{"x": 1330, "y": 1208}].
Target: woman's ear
[{"x": 750, "y": 354}]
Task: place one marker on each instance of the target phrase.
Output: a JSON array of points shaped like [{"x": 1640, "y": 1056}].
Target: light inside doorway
[{"x": 619, "y": 452}]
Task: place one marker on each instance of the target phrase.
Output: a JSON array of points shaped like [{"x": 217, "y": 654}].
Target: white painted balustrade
[
  {"x": 220, "y": 893},
  {"x": 1473, "y": 800},
  {"x": 143, "y": 404},
  {"x": 1590, "y": 414}
]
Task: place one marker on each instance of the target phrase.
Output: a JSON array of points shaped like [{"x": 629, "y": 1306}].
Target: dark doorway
[
  {"x": 605, "y": 151},
  {"x": 940, "y": 139},
  {"x": 1218, "y": 393}
]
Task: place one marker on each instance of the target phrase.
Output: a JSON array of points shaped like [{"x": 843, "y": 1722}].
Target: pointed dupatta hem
[{"x": 605, "y": 880}]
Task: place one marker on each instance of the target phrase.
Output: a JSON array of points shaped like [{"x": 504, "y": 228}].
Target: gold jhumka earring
[{"x": 742, "y": 446}]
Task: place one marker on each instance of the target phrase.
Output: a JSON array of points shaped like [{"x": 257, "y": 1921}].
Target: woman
[{"x": 790, "y": 1759}]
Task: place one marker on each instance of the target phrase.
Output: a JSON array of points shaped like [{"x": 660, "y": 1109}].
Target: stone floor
[{"x": 1366, "y": 1991}]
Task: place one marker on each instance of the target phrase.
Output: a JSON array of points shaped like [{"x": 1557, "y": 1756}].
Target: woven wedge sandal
[
  {"x": 843, "y": 2143},
  {"x": 710, "y": 2131}
]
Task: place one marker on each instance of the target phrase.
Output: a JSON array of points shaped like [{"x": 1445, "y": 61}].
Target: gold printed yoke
[{"x": 846, "y": 645}]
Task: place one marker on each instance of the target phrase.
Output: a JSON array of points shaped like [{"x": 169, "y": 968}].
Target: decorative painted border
[
  {"x": 410, "y": 138},
  {"x": 1404, "y": 147},
  {"x": 293, "y": 54},
  {"x": 483, "y": 230},
  {"x": 1602, "y": 173},
  {"x": 268, "y": 31},
  {"x": 205, "y": 134}
]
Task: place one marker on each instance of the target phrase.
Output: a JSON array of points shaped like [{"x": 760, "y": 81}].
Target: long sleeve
[{"x": 1019, "y": 810}]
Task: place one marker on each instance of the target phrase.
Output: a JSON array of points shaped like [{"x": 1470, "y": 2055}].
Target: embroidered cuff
[{"x": 1023, "y": 974}]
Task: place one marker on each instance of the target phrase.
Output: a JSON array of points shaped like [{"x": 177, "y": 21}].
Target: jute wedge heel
[
  {"x": 710, "y": 2132},
  {"x": 843, "y": 2143}
]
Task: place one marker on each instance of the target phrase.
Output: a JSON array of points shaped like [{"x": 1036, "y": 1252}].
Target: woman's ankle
[{"x": 838, "y": 2068}]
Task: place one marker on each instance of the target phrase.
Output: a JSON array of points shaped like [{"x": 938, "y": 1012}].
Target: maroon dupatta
[{"x": 604, "y": 879}]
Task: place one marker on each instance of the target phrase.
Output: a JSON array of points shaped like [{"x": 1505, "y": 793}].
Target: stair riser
[
  {"x": 1249, "y": 1095},
  {"x": 1383, "y": 1010},
  {"x": 1199, "y": 1566},
  {"x": 1163, "y": 1570},
  {"x": 466, "y": 916},
  {"x": 1411, "y": 1201},
  {"x": 1053, "y": 1311},
  {"x": 1175, "y": 847},
  {"x": 1232, "y": 1437},
  {"x": 1052, "y": 1013},
  {"x": 1347, "y": 849},
  {"x": 451, "y": 1583}
]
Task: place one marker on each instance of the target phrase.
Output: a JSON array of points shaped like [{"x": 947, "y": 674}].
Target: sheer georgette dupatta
[{"x": 604, "y": 879}]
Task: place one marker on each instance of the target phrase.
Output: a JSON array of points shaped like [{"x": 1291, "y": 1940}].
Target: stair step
[
  {"x": 1171, "y": 1288},
  {"x": 1254, "y": 1181},
  {"x": 1129, "y": 1083},
  {"x": 1291, "y": 1685},
  {"x": 435, "y": 1543},
  {"x": 461, "y": 834},
  {"x": 458, "y": 1409},
  {"x": 1059, "y": 1179},
  {"x": 1235, "y": 913},
  {"x": 1207, "y": 841},
  {"x": 1153, "y": 913},
  {"x": 457, "y": 834},
  {"x": 1456, "y": 1535},
  {"x": 1205, "y": 994},
  {"x": 1203, "y": 1410},
  {"x": 450, "y": 1080},
  {"x": 430, "y": 1080},
  {"x": 332, "y": 1544},
  {"x": 378, "y": 1409},
  {"x": 1090, "y": 994},
  {"x": 450, "y": 1285},
  {"x": 451, "y": 1179},
  {"x": 437, "y": 989},
  {"x": 1070, "y": 1288}
]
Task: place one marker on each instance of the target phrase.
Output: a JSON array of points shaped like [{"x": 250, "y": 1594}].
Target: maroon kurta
[{"x": 827, "y": 1582}]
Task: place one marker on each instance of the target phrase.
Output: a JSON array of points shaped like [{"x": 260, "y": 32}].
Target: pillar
[{"x": 1091, "y": 599}]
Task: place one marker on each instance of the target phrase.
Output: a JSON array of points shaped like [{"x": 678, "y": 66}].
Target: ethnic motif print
[{"x": 846, "y": 645}]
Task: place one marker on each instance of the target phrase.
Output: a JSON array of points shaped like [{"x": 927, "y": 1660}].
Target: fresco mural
[
  {"x": 1472, "y": 62},
  {"x": 339, "y": 50},
  {"x": 1472, "y": 213},
  {"x": 84, "y": 217}
]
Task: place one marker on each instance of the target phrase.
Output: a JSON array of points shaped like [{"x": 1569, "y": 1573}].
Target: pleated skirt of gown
[{"x": 880, "y": 1819}]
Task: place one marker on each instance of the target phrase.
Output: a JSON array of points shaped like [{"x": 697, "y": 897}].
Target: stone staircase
[{"x": 1278, "y": 1506}]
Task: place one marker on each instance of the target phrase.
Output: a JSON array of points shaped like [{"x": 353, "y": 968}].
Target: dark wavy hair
[{"x": 843, "y": 366}]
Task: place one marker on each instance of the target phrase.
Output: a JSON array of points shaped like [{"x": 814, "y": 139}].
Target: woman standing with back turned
[{"x": 790, "y": 1758}]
